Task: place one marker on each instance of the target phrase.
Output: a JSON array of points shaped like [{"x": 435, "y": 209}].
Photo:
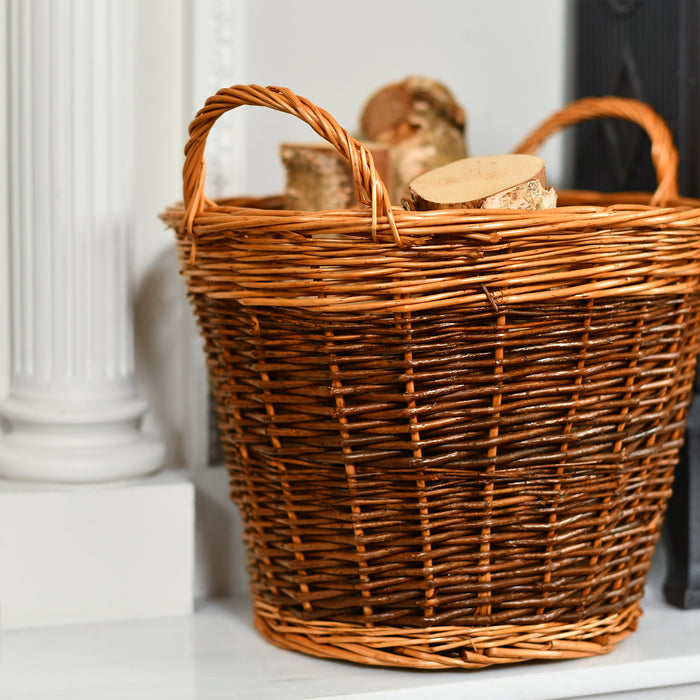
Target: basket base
[{"x": 445, "y": 647}]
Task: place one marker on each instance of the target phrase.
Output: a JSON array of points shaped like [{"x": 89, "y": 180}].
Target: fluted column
[{"x": 73, "y": 413}]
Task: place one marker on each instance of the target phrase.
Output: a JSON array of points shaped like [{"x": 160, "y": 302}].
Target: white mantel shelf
[{"x": 216, "y": 654}]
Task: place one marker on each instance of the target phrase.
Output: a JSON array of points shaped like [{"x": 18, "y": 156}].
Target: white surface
[
  {"x": 216, "y": 654},
  {"x": 77, "y": 554}
]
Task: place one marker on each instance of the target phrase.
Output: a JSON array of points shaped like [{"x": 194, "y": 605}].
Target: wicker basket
[{"x": 451, "y": 434}]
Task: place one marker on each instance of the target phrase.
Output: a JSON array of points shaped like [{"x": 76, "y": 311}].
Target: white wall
[
  {"x": 503, "y": 59},
  {"x": 162, "y": 85}
]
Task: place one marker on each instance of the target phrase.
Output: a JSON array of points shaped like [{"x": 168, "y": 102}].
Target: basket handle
[
  {"x": 370, "y": 188},
  {"x": 664, "y": 155}
]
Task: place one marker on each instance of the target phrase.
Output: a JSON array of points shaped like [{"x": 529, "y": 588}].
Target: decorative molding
[
  {"x": 4, "y": 216},
  {"x": 219, "y": 46}
]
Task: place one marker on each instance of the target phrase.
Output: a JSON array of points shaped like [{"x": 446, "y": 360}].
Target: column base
[
  {"x": 139, "y": 457},
  {"x": 94, "y": 553},
  {"x": 77, "y": 442}
]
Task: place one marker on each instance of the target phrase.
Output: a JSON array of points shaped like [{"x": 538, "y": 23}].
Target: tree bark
[{"x": 318, "y": 178}]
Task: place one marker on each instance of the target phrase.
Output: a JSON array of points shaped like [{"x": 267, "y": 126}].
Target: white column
[{"x": 72, "y": 414}]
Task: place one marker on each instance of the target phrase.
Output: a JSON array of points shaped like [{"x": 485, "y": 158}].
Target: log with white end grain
[
  {"x": 318, "y": 178},
  {"x": 484, "y": 182},
  {"x": 422, "y": 122}
]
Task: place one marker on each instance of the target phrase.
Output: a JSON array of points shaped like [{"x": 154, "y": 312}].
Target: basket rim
[
  {"x": 348, "y": 260},
  {"x": 589, "y": 210}
]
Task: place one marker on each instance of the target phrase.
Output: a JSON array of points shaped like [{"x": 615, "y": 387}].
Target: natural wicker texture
[
  {"x": 446, "y": 647},
  {"x": 451, "y": 434}
]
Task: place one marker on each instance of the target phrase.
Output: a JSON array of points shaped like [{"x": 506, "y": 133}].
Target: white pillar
[{"x": 72, "y": 414}]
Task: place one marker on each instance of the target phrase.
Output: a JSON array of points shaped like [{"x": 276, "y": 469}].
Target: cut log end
[{"x": 485, "y": 182}]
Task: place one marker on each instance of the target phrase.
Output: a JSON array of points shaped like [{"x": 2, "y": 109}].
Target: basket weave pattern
[{"x": 451, "y": 435}]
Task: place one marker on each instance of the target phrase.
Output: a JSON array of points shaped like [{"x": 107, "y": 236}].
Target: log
[
  {"x": 318, "y": 178},
  {"x": 422, "y": 122},
  {"x": 485, "y": 182}
]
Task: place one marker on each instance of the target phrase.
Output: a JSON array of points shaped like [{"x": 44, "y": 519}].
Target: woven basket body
[{"x": 451, "y": 435}]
